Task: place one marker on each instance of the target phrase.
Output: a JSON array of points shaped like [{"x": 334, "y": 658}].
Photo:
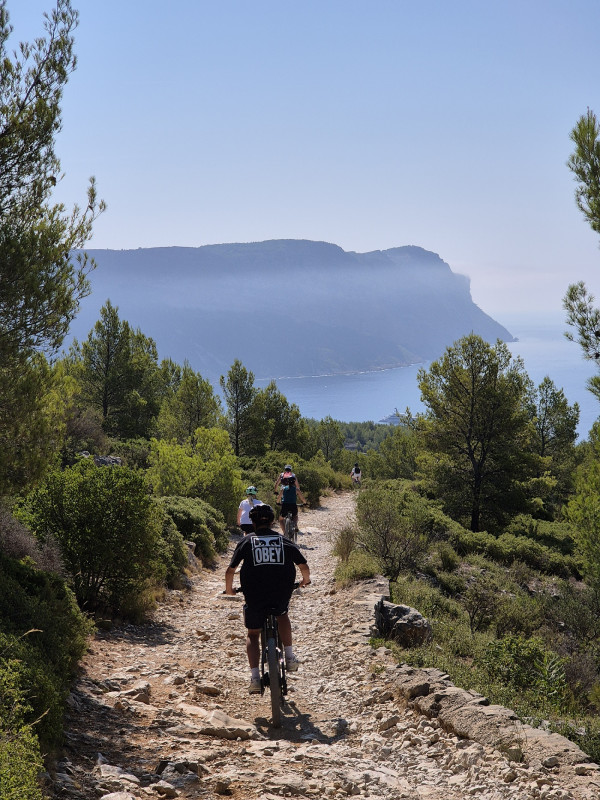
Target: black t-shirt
[{"x": 268, "y": 565}]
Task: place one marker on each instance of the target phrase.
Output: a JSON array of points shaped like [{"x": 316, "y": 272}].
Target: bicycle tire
[
  {"x": 289, "y": 528},
  {"x": 274, "y": 682}
]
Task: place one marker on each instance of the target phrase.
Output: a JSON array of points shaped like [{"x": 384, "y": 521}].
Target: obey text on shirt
[{"x": 267, "y": 550}]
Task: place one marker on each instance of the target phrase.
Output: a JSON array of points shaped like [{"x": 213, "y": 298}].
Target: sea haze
[{"x": 375, "y": 395}]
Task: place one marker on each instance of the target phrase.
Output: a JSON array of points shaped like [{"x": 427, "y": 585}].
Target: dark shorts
[
  {"x": 287, "y": 507},
  {"x": 255, "y": 613},
  {"x": 247, "y": 527}
]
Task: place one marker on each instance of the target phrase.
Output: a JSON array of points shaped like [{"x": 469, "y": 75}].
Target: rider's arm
[
  {"x": 305, "y": 572},
  {"x": 239, "y": 516},
  {"x": 229, "y": 573}
]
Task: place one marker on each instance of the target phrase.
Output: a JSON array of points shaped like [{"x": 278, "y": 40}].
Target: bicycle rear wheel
[
  {"x": 289, "y": 528},
  {"x": 274, "y": 682}
]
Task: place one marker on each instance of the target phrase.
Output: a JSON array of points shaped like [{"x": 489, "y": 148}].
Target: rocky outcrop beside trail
[{"x": 162, "y": 710}]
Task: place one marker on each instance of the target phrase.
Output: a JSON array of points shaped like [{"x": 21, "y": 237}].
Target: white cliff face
[{"x": 162, "y": 710}]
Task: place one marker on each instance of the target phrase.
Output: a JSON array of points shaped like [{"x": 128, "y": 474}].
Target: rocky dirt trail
[{"x": 162, "y": 710}]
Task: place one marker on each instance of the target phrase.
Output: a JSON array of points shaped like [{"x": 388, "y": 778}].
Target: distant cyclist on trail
[
  {"x": 287, "y": 473},
  {"x": 289, "y": 492},
  {"x": 247, "y": 504},
  {"x": 356, "y": 474},
  {"x": 267, "y": 578}
]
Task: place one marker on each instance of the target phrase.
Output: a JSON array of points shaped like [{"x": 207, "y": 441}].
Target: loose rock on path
[{"x": 162, "y": 710}]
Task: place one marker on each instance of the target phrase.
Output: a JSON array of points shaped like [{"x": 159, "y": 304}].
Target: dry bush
[
  {"x": 344, "y": 543},
  {"x": 17, "y": 542}
]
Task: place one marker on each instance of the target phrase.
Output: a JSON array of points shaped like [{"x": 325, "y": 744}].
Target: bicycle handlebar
[{"x": 238, "y": 589}]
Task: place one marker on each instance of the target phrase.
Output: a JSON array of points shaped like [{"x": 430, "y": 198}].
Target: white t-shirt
[{"x": 246, "y": 505}]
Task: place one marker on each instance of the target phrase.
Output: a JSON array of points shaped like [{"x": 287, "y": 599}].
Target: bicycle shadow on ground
[
  {"x": 299, "y": 727},
  {"x": 301, "y": 546}
]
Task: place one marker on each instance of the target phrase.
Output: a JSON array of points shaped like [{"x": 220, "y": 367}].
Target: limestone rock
[{"x": 402, "y": 623}]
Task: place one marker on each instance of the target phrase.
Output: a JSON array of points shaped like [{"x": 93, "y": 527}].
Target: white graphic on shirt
[{"x": 267, "y": 550}]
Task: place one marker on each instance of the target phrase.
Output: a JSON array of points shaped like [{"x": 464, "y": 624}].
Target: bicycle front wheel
[{"x": 274, "y": 682}]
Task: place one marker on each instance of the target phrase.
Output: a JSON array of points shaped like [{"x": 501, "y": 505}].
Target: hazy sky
[{"x": 367, "y": 123}]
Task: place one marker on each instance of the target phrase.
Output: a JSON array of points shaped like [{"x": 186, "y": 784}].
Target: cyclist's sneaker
[
  {"x": 292, "y": 663},
  {"x": 255, "y": 686}
]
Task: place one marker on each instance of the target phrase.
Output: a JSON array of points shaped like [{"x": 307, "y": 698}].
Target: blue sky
[{"x": 368, "y": 124}]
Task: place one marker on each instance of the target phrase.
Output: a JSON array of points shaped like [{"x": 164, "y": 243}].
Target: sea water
[{"x": 378, "y": 394}]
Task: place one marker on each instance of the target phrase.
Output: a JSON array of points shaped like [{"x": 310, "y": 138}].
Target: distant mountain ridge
[{"x": 288, "y": 307}]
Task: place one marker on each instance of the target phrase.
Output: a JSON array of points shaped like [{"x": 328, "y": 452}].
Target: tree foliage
[
  {"x": 555, "y": 421},
  {"x": 584, "y": 318},
  {"x": 584, "y": 162},
  {"x": 245, "y": 412},
  {"x": 203, "y": 467},
  {"x": 329, "y": 437},
  {"x": 117, "y": 369},
  {"x": 478, "y": 431},
  {"x": 191, "y": 405},
  {"x": 583, "y": 512},
  {"x": 393, "y": 526},
  {"x": 41, "y": 281},
  {"x": 555, "y": 434},
  {"x": 41, "y": 284},
  {"x": 286, "y": 430}
]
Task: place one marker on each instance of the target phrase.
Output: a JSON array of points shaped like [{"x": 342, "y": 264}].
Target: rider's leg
[
  {"x": 285, "y": 633},
  {"x": 282, "y": 524},
  {"x": 253, "y": 647},
  {"x": 285, "y": 630}
]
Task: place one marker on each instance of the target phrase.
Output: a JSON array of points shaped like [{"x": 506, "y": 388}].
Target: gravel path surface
[{"x": 162, "y": 710}]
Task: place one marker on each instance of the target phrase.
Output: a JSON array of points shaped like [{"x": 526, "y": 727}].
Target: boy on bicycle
[
  {"x": 289, "y": 492},
  {"x": 267, "y": 578}
]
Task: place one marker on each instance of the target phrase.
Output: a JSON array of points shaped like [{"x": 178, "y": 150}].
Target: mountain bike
[
  {"x": 272, "y": 663},
  {"x": 291, "y": 529}
]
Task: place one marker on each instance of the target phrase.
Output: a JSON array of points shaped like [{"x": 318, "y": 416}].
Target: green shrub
[
  {"x": 316, "y": 477},
  {"x": 508, "y": 548},
  {"x": 450, "y": 583},
  {"x": 518, "y": 614},
  {"x": 359, "y": 566},
  {"x": 466, "y": 542},
  {"x": 200, "y": 523},
  {"x": 448, "y": 556},
  {"x": 171, "y": 550},
  {"x": 393, "y": 526},
  {"x": 481, "y": 600},
  {"x": 525, "y": 663},
  {"x": 135, "y": 453},
  {"x": 427, "y": 599},
  {"x": 31, "y": 600},
  {"x": 20, "y": 756},
  {"x": 205, "y": 468},
  {"x": 107, "y": 527},
  {"x": 554, "y": 535}
]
